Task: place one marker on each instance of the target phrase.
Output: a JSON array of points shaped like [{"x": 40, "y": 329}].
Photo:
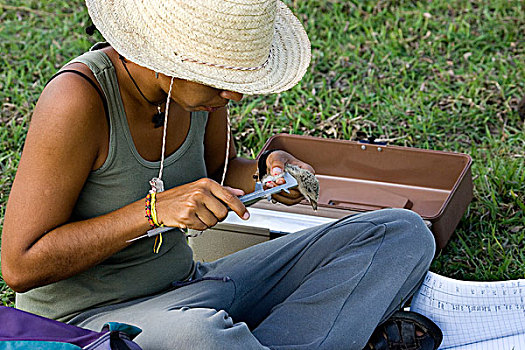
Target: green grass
[{"x": 443, "y": 75}]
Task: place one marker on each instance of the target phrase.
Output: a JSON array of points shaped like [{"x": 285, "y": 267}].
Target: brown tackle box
[{"x": 357, "y": 177}]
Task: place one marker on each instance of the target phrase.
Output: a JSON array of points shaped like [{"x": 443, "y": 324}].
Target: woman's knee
[
  {"x": 405, "y": 228},
  {"x": 413, "y": 232}
]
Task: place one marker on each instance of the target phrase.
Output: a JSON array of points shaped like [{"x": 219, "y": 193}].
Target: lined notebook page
[{"x": 474, "y": 315}]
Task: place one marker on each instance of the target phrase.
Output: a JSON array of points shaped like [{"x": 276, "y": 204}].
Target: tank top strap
[{"x": 104, "y": 71}]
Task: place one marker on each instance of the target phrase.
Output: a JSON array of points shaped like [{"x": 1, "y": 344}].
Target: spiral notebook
[{"x": 474, "y": 315}]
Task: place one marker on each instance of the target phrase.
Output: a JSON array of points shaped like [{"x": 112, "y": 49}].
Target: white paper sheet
[
  {"x": 277, "y": 221},
  {"x": 474, "y": 315}
]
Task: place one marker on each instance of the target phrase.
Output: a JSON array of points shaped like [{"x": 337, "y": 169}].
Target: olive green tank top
[{"x": 136, "y": 271}]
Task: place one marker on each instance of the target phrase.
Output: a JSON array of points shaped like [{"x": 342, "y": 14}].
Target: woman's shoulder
[
  {"x": 69, "y": 105},
  {"x": 75, "y": 87},
  {"x": 72, "y": 94}
]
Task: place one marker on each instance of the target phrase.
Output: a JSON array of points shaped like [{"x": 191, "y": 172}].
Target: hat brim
[{"x": 289, "y": 59}]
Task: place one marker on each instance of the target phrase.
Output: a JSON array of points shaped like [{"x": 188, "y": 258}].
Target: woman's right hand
[{"x": 198, "y": 205}]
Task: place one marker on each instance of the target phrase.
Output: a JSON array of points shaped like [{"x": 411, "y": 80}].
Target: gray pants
[{"x": 326, "y": 287}]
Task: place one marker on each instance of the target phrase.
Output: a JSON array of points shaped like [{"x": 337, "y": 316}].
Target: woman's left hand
[{"x": 275, "y": 164}]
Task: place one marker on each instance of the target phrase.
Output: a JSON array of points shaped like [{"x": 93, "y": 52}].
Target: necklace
[{"x": 158, "y": 118}]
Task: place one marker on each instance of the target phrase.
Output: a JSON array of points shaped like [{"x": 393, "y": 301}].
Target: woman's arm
[{"x": 64, "y": 143}]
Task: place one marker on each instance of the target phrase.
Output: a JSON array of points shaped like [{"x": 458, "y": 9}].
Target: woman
[{"x": 147, "y": 112}]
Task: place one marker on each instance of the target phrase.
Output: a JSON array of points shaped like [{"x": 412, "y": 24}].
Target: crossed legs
[{"x": 326, "y": 287}]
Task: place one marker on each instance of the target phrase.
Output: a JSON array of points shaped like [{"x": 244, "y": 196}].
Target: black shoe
[{"x": 399, "y": 333}]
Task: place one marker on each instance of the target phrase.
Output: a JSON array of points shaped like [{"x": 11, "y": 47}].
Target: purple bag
[{"x": 23, "y": 330}]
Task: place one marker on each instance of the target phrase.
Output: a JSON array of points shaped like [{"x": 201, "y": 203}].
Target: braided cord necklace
[
  {"x": 158, "y": 118},
  {"x": 156, "y": 183}
]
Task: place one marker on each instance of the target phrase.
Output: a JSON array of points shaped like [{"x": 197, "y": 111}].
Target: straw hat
[{"x": 247, "y": 46}]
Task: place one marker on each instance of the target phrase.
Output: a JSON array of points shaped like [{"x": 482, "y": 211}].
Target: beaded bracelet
[
  {"x": 148, "y": 209},
  {"x": 151, "y": 215},
  {"x": 154, "y": 210},
  {"x": 151, "y": 210}
]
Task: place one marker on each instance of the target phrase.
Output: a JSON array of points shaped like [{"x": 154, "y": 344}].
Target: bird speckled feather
[{"x": 307, "y": 183}]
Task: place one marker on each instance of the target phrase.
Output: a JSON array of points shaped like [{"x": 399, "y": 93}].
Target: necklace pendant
[
  {"x": 158, "y": 119},
  {"x": 157, "y": 185}
]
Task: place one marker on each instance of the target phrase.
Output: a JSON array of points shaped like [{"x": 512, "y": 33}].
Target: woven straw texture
[{"x": 247, "y": 46}]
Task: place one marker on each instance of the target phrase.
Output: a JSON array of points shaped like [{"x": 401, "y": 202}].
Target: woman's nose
[{"x": 230, "y": 95}]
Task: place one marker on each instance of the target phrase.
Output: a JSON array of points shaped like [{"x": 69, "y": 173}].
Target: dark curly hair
[{"x": 90, "y": 30}]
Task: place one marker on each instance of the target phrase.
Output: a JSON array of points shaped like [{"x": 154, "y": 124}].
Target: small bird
[{"x": 307, "y": 183}]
